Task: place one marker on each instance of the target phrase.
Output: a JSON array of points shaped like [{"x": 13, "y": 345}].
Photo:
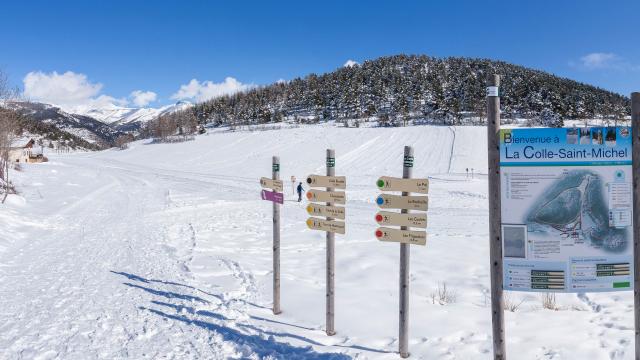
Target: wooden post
[
  {"x": 495, "y": 218},
  {"x": 275, "y": 175},
  {"x": 407, "y": 172},
  {"x": 635, "y": 128},
  {"x": 331, "y": 262}
]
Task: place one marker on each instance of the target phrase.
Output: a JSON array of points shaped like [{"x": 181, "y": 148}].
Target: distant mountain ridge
[
  {"x": 93, "y": 129},
  {"x": 84, "y": 127},
  {"x": 399, "y": 89},
  {"x": 122, "y": 116}
]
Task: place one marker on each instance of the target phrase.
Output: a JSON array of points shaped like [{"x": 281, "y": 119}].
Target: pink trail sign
[{"x": 273, "y": 196}]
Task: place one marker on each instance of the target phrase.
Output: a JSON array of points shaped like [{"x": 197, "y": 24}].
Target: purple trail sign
[{"x": 273, "y": 196}]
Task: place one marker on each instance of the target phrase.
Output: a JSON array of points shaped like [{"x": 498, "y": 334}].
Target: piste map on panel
[{"x": 574, "y": 206}]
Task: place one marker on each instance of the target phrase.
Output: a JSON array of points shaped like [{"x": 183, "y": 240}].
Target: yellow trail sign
[
  {"x": 326, "y": 210},
  {"x": 418, "y": 220},
  {"x": 387, "y": 183},
  {"x": 337, "y": 182},
  {"x": 386, "y": 201},
  {"x": 326, "y": 225},
  {"x": 336, "y": 197},
  {"x": 402, "y": 236},
  {"x": 271, "y": 184}
]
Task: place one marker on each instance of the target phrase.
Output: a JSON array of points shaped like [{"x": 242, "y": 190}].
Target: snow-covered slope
[{"x": 165, "y": 251}]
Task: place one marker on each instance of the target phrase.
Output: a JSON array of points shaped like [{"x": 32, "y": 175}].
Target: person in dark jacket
[{"x": 300, "y": 190}]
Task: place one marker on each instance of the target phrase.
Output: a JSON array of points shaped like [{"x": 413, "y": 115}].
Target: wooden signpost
[
  {"x": 336, "y": 182},
  {"x": 394, "y": 218},
  {"x": 330, "y": 225},
  {"x": 635, "y": 130},
  {"x": 276, "y": 197},
  {"x": 273, "y": 196},
  {"x": 326, "y": 225},
  {"x": 336, "y": 197},
  {"x": 404, "y": 235},
  {"x": 386, "y": 201},
  {"x": 495, "y": 217},
  {"x": 275, "y": 185},
  {"x": 386, "y": 183},
  {"x": 401, "y": 236},
  {"x": 325, "y": 210}
]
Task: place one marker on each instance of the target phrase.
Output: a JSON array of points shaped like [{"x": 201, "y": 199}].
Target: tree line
[{"x": 398, "y": 90}]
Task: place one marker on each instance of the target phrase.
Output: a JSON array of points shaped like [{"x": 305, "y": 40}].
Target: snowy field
[{"x": 164, "y": 251}]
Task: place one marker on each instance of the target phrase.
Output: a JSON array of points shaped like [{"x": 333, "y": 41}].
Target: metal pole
[
  {"x": 495, "y": 219},
  {"x": 635, "y": 123},
  {"x": 407, "y": 172},
  {"x": 331, "y": 261},
  {"x": 275, "y": 175}
]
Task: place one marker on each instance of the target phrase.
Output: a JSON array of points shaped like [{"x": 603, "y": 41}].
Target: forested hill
[{"x": 399, "y": 88}]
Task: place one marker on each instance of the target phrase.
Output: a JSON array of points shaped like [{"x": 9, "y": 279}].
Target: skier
[{"x": 300, "y": 190}]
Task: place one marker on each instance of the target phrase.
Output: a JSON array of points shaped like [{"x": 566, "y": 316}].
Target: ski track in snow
[{"x": 164, "y": 251}]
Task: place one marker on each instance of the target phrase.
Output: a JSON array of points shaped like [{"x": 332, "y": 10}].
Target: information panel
[{"x": 567, "y": 209}]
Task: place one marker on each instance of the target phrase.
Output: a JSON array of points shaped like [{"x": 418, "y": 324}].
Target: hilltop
[{"x": 403, "y": 89}]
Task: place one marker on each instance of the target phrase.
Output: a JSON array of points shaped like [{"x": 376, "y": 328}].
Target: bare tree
[
  {"x": 122, "y": 142},
  {"x": 9, "y": 126}
]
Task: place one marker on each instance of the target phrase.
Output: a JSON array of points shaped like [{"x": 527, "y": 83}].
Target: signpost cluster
[
  {"x": 564, "y": 214},
  {"x": 403, "y": 235},
  {"x": 332, "y": 223}
]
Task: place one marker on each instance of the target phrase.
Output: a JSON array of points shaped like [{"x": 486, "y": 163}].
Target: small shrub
[
  {"x": 443, "y": 295},
  {"x": 510, "y": 303},
  {"x": 548, "y": 301}
]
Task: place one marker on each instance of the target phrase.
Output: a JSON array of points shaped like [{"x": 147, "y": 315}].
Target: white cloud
[
  {"x": 209, "y": 90},
  {"x": 71, "y": 91},
  {"x": 600, "y": 60},
  {"x": 350, "y": 63},
  {"x": 605, "y": 61},
  {"x": 142, "y": 98}
]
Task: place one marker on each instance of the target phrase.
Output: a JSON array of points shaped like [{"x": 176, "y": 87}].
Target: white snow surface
[{"x": 164, "y": 251}]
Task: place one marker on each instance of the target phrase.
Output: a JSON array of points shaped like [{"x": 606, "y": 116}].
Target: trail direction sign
[
  {"x": 336, "y": 197},
  {"x": 275, "y": 185},
  {"x": 402, "y": 236},
  {"x": 326, "y": 225},
  {"x": 386, "y": 201},
  {"x": 386, "y": 183},
  {"x": 272, "y": 196},
  {"x": 326, "y": 210},
  {"x": 417, "y": 220},
  {"x": 337, "y": 182}
]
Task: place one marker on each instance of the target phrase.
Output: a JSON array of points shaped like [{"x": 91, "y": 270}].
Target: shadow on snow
[
  {"x": 151, "y": 281},
  {"x": 263, "y": 346}
]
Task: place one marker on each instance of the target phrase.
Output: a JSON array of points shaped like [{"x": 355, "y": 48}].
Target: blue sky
[{"x": 113, "y": 48}]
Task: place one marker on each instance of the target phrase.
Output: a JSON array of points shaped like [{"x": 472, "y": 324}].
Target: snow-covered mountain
[
  {"x": 93, "y": 128},
  {"x": 54, "y": 124},
  {"x": 118, "y": 116}
]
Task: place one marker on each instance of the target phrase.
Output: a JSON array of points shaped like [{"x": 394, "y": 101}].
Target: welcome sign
[{"x": 567, "y": 209}]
